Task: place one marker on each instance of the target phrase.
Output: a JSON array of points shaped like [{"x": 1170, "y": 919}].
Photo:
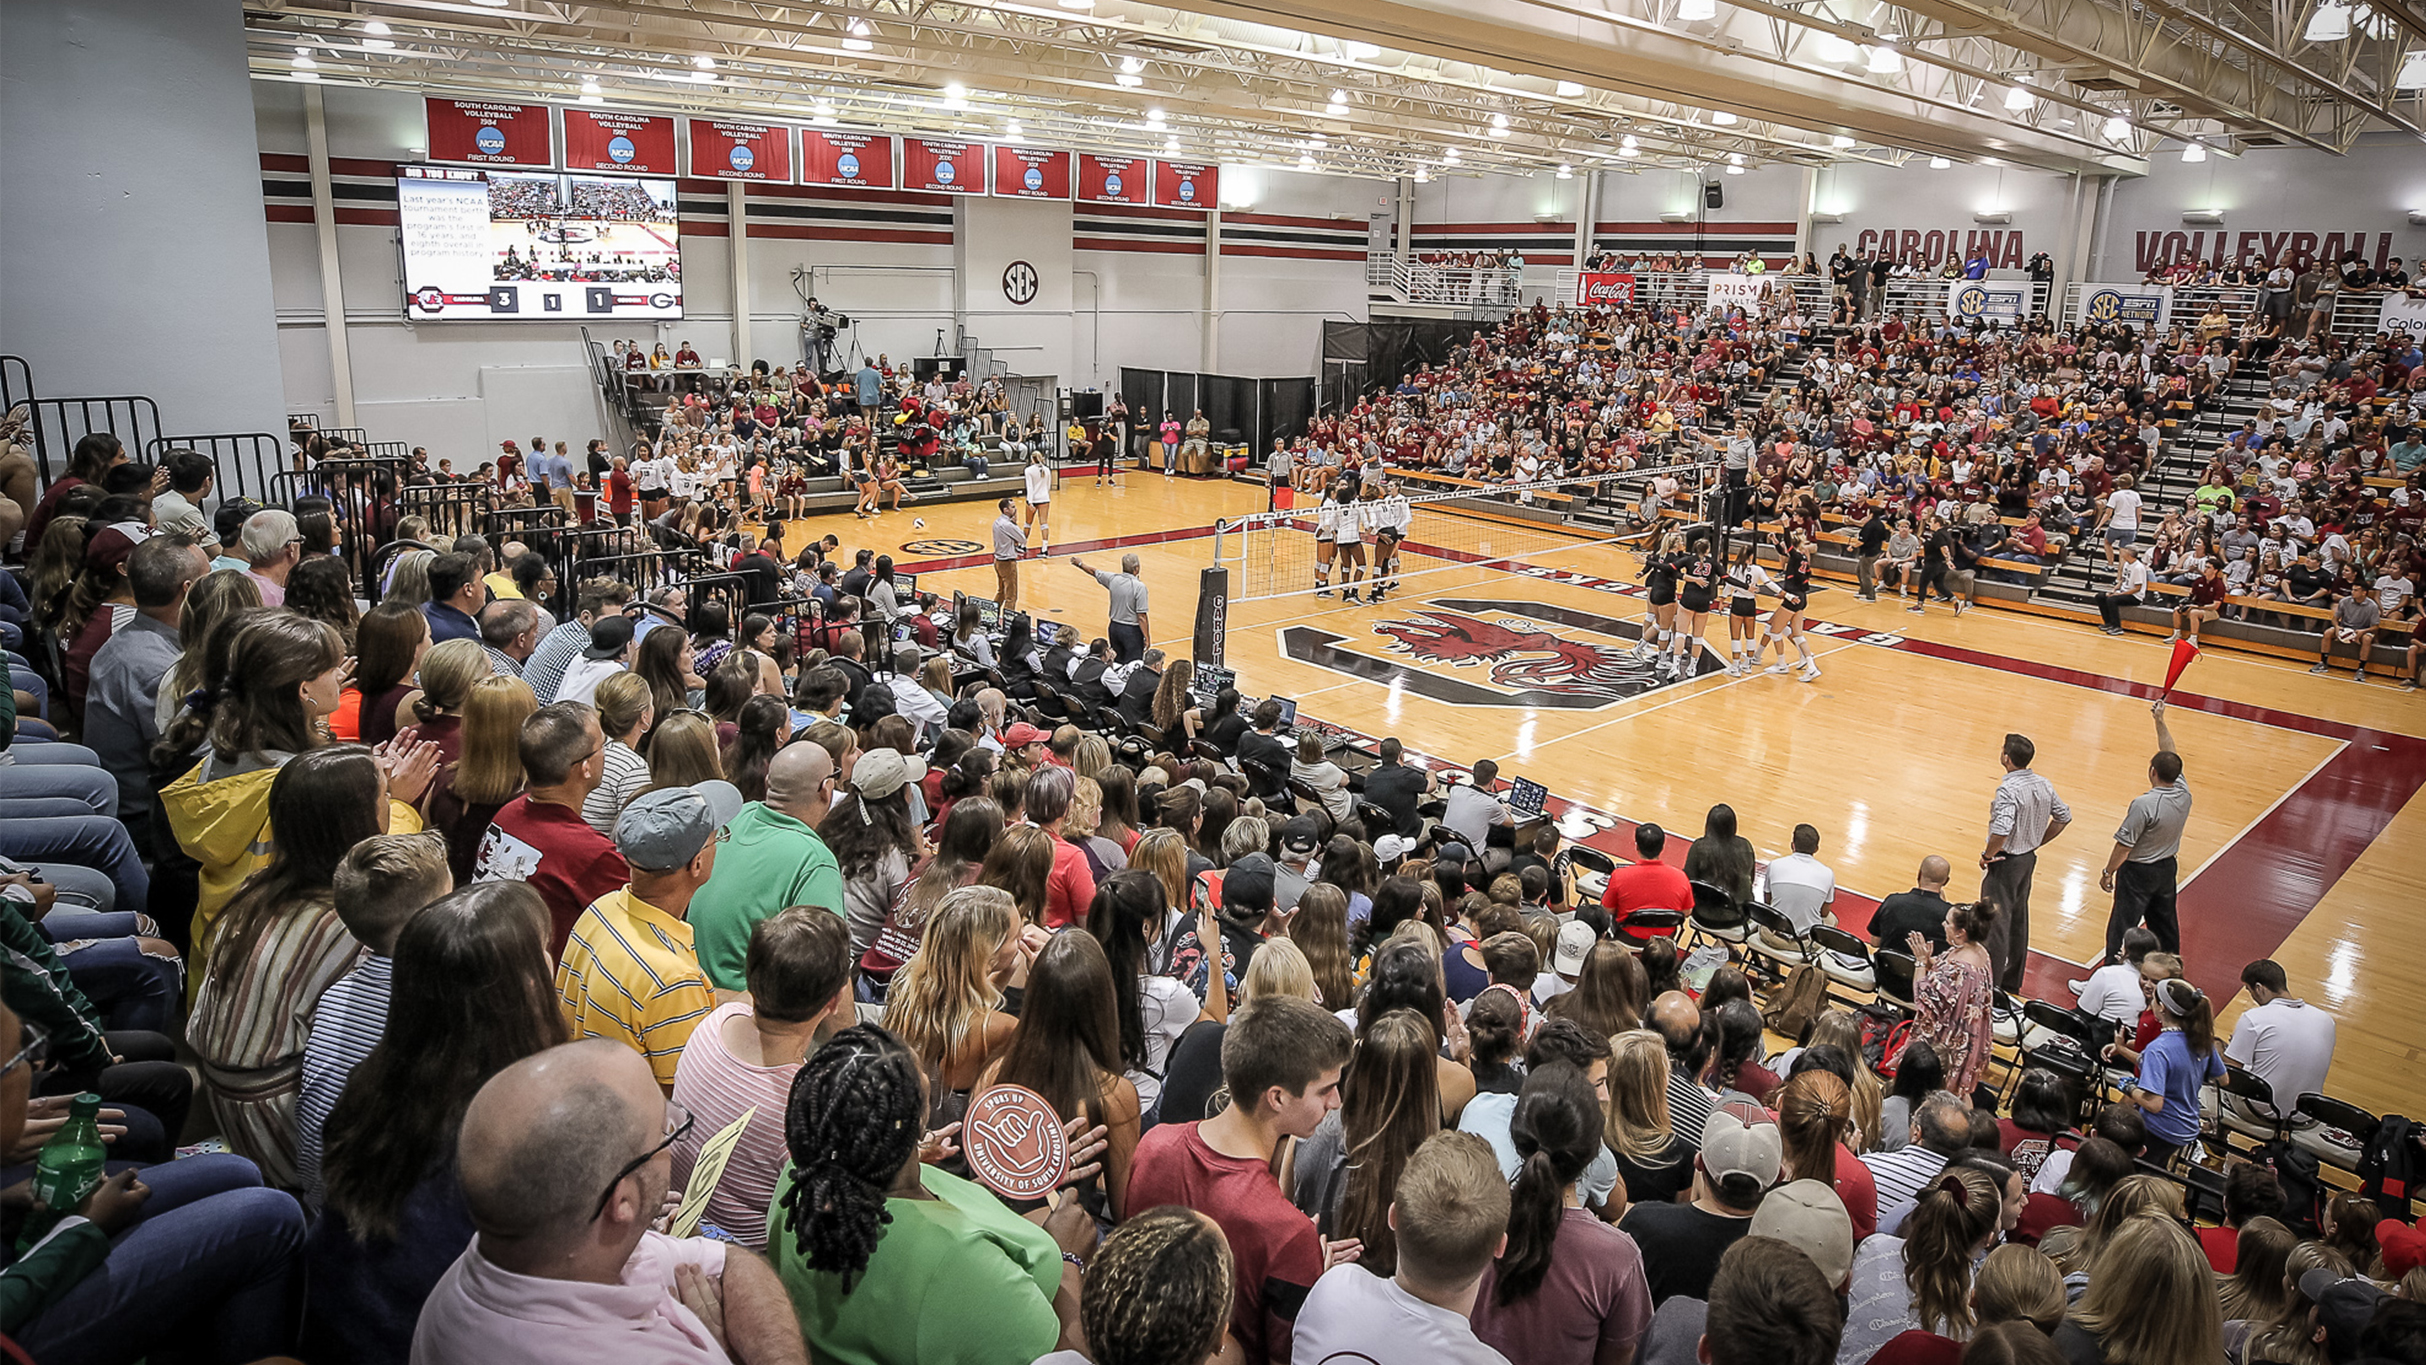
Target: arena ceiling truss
[{"x": 1436, "y": 87}]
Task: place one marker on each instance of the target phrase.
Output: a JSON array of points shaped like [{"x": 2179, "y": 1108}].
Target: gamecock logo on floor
[{"x": 1484, "y": 652}]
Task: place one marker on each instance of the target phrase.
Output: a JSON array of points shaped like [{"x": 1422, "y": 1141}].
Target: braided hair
[{"x": 853, "y": 1120}]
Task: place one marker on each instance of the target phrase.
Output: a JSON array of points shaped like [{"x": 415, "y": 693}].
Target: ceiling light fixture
[
  {"x": 2117, "y": 127},
  {"x": 1565, "y": 171},
  {"x": 1836, "y": 51},
  {"x": 2329, "y": 24},
  {"x": 704, "y": 62},
  {"x": 1422, "y": 176},
  {"x": 705, "y": 77},
  {"x": 1449, "y": 157},
  {"x": 1154, "y": 120},
  {"x": 1884, "y": 60},
  {"x": 1724, "y": 119},
  {"x": 2019, "y": 98},
  {"x": 822, "y": 114},
  {"x": 1939, "y": 163},
  {"x": 1840, "y": 142},
  {"x": 1359, "y": 52},
  {"x": 2194, "y": 152},
  {"x": 1695, "y": 11},
  {"x": 1629, "y": 152},
  {"x": 1735, "y": 170},
  {"x": 1629, "y": 142},
  {"x": 1127, "y": 81},
  {"x": 1568, "y": 90},
  {"x": 376, "y": 37},
  {"x": 1013, "y": 131},
  {"x": 857, "y": 39},
  {"x": 1735, "y": 158},
  {"x": 1170, "y": 144}
]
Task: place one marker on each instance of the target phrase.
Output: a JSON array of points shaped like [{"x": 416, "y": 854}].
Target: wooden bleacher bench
[{"x": 1440, "y": 480}]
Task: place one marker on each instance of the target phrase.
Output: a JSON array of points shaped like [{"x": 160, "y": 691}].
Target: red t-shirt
[
  {"x": 1858, "y": 1191},
  {"x": 2042, "y": 1212},
  {"x": 1917, "y": 1347},
  {"x": 619, "y": 491},
  {"x": 2223, "y": 1247},
  {"x": 1275, "y": 1251},
  {"x": 568, "y": 863},
  {"x": 2028, "y": 1149},
  {"x": 1069, "y": 888},
  {"x": 1646, "y": 886}
]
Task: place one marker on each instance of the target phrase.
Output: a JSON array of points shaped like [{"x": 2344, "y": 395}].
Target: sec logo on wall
[{"x": 1020, "y": 282}]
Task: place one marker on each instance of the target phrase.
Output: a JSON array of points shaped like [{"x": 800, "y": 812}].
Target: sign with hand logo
[{"x": 1014, "y": 1143}]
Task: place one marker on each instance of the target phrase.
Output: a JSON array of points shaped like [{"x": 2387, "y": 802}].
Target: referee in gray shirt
[
  {"x": 1010, "y": 545},
  {"x": 1129, "y": 627},
  {"x": 2143, "y": 871},
  {"x": 2023, "y": 816}
]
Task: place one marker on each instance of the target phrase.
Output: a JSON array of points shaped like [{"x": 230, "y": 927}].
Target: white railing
[{"x": 1417, "y": 281}]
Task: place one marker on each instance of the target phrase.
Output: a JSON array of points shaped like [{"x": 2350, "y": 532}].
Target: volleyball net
[{"x": 1275, "y": 554}]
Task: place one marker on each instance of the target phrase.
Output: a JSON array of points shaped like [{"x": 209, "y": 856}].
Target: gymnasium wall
[
  {"x": 136, "y": 260},
  {"x": 1116, "y": 286}
]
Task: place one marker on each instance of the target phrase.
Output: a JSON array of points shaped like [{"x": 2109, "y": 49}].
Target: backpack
[
  {"x": 2302, "y": 1180},
  {"x": 1793, "y": 1006},
  {"x": 2392, "y": 1166}
]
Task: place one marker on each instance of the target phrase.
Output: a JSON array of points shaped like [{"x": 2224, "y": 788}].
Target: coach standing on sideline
[
  {"x": 2023, "y": 816},
  {"x": 1010, "y": 544},
  {"x": 2143, "y": 872},
  {"x": 1129, "y": 626}
]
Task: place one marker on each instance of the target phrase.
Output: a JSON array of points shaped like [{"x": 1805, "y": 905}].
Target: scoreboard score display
[{"x": 492, "y": 245}]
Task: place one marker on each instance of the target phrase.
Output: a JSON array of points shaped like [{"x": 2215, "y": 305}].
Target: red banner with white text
[
  {"x": 1186, "y": 185},
  {"x": 1030, "y": 173},
  {"x": 610, "y": 140},
  {"x": 489, "y": 132},
  {"x": 862, "y": 161},
  {"x": 1597, "y": 289},
  {"x": 722, "y": 149},
  {"x": 945, "y": 166},
  {"x": 1115, "y": 179}
]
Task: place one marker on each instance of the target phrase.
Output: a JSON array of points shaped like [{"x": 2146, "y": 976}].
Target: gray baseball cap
[{"x": 664, "y": 829}]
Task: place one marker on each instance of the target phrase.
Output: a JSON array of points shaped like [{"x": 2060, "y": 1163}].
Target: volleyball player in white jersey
[
  {"x": 1326, "y": 522},
  {"x": 1746, "y": 581},
  {"x": 1039, "y": 479},
  {"x": 1348, "y": 535},
  {"x": 1392, "y": 516}
]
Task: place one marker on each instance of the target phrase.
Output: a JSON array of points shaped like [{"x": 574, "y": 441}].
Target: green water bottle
[{"x": 68, "y": 1171}]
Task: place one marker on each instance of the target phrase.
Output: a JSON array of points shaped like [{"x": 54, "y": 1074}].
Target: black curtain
[
  {"x": 1288, "y": 406},
  {"x": 1229, "y": 404}
]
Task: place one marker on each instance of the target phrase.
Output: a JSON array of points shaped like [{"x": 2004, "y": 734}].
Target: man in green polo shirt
[{"x": 773, "y": 861}]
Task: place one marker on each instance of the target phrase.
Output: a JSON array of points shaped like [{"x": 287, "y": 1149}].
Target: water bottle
[{"x": 68, "y": 1171}]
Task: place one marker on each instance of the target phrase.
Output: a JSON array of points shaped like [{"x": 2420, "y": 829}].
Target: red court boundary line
[{"x": 2244, "y": 905}]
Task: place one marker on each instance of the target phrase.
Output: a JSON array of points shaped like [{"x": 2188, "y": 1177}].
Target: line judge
[
  {"x": 1010, "y": 545},
  {"x": 1129, "y": 627}
]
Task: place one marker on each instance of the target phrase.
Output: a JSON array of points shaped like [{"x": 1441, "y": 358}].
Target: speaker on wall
[{"x": 1714, "y": 195}]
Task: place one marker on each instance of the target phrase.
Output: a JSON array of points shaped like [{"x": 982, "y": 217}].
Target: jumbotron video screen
[{"x": 496, "y": 246}]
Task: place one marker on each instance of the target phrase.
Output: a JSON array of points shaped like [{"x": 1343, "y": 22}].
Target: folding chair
[
  {"x": 1894, "y": 972},
  {"x": 1717, "y": 916},
  {"x": 2236, "y": 1104},
  {"x": 2340, "y": 1133},
  {"x": 1774, "y": 940},
  {"x": 1843, "y": 958}
]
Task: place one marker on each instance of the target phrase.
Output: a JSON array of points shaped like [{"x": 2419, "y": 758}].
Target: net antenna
[{"x": 1273, "y": 554}]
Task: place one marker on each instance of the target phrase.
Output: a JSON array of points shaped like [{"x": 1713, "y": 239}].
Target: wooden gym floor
[{"x": 2308, "y": 843}]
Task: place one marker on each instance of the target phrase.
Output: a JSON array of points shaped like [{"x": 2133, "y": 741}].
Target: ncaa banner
[
  {"x": 1604, "y": 290},
  {"x": 1984, "y": 301},
  {"x": 2134, "y": 305},
  {"x": 1115, "y": 179},
  {"x": 1186, "y": 185},
  {"x": 1748, "y": 292},
  {"x": 489, "y": 133},
  {"x": 1027, "y": 173},
  {"x": 725, "y": 150},
  {"x": 2403, "y": 312},
  {"x": 862, "y": 161},
  {"x": 597, "y": 140},
  {"x": 949, "y": 167}
]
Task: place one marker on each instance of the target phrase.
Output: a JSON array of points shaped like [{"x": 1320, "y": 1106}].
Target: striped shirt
[
  {"x": 2024, "y": 805},
  {"x": 1689, "y": 1106},
  {"x": 626, "y": 773},
  {"x": 1900, "y": 1174},
  {"x": 352, "y": 1018},
  {"x": 718, "y": 1087},
  {"x": 629, "y": 973},
  {"x": 249, "y": 1025}
]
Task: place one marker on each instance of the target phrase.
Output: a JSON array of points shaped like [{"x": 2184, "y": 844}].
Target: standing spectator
[
  {"x": 772, "y": 859},
  {"x": 471, "y": 996},
  {"x": 628, "y": 971},
  {"x": 1682, "y": 1243},
  {"x": 564, "y": 1166},
  {"x": 2174, "y": 1068},
  {"x": 1569, "y": 1289},
  {"x": 1954, "y": 995},
  {"x": 2023, "y": 816},
  {"x": 1010, "y": 546},
  {"x": 2283, "y": 1041},
  {"x": 2142, "y": 870},
  {"x": 1281, "y": 1058},
  {"x": 745, "y": 1053},
  {"x": 539, "y": 837},
  {"x": 1130, "y": 631},
  {"x": 1451, "y": 1209}
]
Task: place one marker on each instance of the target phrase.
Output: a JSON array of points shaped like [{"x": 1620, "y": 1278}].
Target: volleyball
[{"x": 918, "y": 523}]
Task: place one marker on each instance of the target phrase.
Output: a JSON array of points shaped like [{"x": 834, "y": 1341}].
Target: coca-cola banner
[{"x": 1600, "y": 289}]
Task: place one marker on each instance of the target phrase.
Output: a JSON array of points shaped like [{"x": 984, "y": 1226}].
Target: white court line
[
  {"x": 1692, "y": 691},
  {"x": 2243, "y": 831}
]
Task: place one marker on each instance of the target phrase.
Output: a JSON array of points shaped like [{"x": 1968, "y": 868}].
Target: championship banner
[
  {"x": 2002, "y": 302},
  {"x": 2145, "y": 306},
  {"x": 1600, "y": 289},
  {"x": 1748, "y": 292},
  {"x": 2403, "y": 312},
  {"x": 599, "y": 140},
  {"x": 722, "y": 149},
  {"x": 861, "y": 161},
  {"x": 949, "y": 167},
  {"x": 1186, "y": 185},
  {"x": 1114, "y": 179},
  {"x": 489, "y": 133},
  {"x": 1029, "y": 173}
]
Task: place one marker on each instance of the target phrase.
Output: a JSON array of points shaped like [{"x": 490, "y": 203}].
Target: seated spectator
[
  {"x": 1802, "y": 1216},
  {"x": 121, "y": 716},
  {"x": 1722, "y": 857},
  {"x": 2115, "y": 992},
  {"x": 2282, "y": 1040},
  {"x": 1922, "y": 910},
  {"x": 1800, "y": 886},
  {"x": 610, "y": 652},
  {"x": 483, "y": 772},
  {"x": 772, "y": 859},
  {"x": 1388, "y": 1106},
  {"x": 1682, "y": 1243},
  {"x": 1770, "y": 1304},
  {"x": 379, "y": 885},
  {"x": 189, "y": 1255},
  {"x": 1814, "y": 1122},
  {"x": 2151, "y": 1300},
  {"x": 1281, "y": 1059},
  {"x": 470, "y": 997},
  {"x": 539, "y": 837},
  {"x": 744, "y": 1055},
  {"x": 889, "y": 1261},
  {"x": 2174, "y": 1068},
  {"x": 1157, "y": 1293},
  {"x": 280, "y": 946},
  {"x": 563, "y": 1161},
  {"x": 627, "y": 711},
  {"x": 1922, "y": 1279},
  {"x": 271, "y": 547},
  {"x": 1678, "y": 1022},
  {"x": 1451, "y": 1209},
  {"x": 628, "y": 970},
  {"x": 1940, "y": 1128},
  {"x": 946, "y": 1003}
]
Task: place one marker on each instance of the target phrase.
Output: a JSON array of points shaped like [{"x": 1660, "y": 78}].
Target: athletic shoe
[
  {"x": 2360, "y": 676},
  {"x": 1322, "y": 592},
  {"x": 2321, "y": 668},
  {"x": 2076, "y": 987},
  {"x": 1917, "y": 609},
  {"x": 2409, "y": 684},
  {"x": 2173, "y": 638},
  {"x": 1350, "y": 596},
  {"x": 1811, "y": 673},
  {"x": 1960, "y": 603},
  {"x": 1781, "y": 666}
]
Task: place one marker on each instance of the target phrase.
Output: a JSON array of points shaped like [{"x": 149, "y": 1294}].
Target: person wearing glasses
[
  {"x": 629, "y": 971},
  {"x": 566, "y": 1159}
]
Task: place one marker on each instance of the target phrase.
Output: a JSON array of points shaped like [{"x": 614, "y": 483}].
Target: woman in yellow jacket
[{"x": 283, "y": 676}]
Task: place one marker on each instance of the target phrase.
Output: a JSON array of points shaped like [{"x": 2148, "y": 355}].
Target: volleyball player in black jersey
[
  {"x": 1659, "y": 597},
  {"x": 1786, "y": 623},
  {"x": 1696, "y": 587}
]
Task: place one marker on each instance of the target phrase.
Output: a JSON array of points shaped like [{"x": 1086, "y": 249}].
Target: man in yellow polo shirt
[{"x": 629, "y": 971}]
